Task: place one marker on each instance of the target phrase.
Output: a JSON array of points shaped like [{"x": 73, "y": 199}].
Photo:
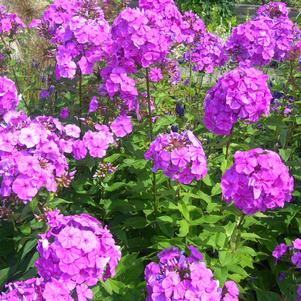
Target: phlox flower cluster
[
  {"x": 35, "y": 289},
  {"x": 185, "y": 278},
  {"x": 117, "y": 82},
  {"x": 257, "y": 181},
  {"x": 207, "y": 53},
  {"x": 292, "y": 252},
  {"x": 33, "y": 154},
  {"x": 75, "y": 253},
  {"x": 76, "y": 250},
  {"x": 285, "y": 32},
  {"x": 140, "y": 37},
  {"x": 192, "y": 27},
  {"x": 179, "y": 156},
  {"x": 243, "y": 94},
  {"x": 170, "y": 17},
  {"x": 80, "y": 33},
  {"x": 273, "y": 10},
  {"x": 252, "y": 43},
  {"x": 9, "y": 99},
  {"x": 10, "y": 24}
]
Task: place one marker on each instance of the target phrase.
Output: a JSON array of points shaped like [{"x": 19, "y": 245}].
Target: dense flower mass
[
  {"x": 79, "y": 32},
  {"x": 273, "y": 10},
  {"x": 243, "y": 94},
  {"x": 9, "y": 99},
  {"x": 252, "y": 43},
  {"x": 179, "y": 156},
  {"x": 257, "y": 181},
  {"x": 207, "y": 53},
  {"x": 185, "y": 278},
  {"x": 139, "y": 36},
  {"x": 76, "y": 250},
  {"x": 36, "y": 289},
  {"x": 33, "y": 154},
  {"x": 10, "y": 24}
]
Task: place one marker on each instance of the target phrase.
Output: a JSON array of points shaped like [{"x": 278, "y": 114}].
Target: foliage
[{"x": 147, "y": 212}]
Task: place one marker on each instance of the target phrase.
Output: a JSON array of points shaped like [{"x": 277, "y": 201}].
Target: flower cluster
[
  {"x": 252, "y": 43},
  {"x": 179, "y": 156},
  {"x": 9, "y": 99},
  {"x": 180, "y": 277},
  {"x": 10, "y": 24},
  {"x": 292, "y": 252},
  {"x": 242, "y": 93},
  {"x": 79, "y": 32},
  {"x": 192, "y": 27},
  {"x": 76, "y": 250},
  {"x": 207, "y": 53},
  {"x": 273, "y": 10},
  {"x": 75, "y": 253},
  {"x": 139, "y": 36},
  {"x": 257, "y": 181},
  {"x": 33, "y": 154},
  {"x": 36, "y": 289},
  {"x": 117, "y": 82},
  {"x": 171, "y": 20},
  {"x": 282, "y": 103}
]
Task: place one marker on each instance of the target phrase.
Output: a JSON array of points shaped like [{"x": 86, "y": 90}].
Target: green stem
[
  {"x": 80, "y": 93},
  {"x": 190, "y": 81},
  {"x": 227, "y": 148},
  {"x": 150, "y": 123},
  {"x": 235, "y": 236}
]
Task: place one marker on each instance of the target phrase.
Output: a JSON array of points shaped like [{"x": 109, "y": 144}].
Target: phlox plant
[{"x": 145, "y": 157}]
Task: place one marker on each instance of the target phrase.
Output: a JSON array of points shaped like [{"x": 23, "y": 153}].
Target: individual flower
[
  {"x": 121, "y": 126},
  {"x": 252, "y": 43},
  {"x": 155, "y": 75},
  {"x": 279, "y": 251},
  {"x": 64, "y": 113},
  {"x": 179, "y": 156},
  {"x": 180, "y": 277},
  {"x": 98, "y": 142},
  {"x": 77, "y": 251},
  {"x": 9, "y": 99},
  {"x": 257, "y": 181},
  {"x": 297, "y": 244},
  {"x": 243, "y": 94},
  {"x": 93, "y": 105}
]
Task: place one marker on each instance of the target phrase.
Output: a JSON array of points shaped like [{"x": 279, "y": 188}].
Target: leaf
[{"x": 184, "y": 228}]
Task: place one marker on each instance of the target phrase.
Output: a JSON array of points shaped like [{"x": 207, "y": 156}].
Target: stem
[
  {"x": 80, "y": 93},
  {"x": 190, "y": 81},
  {"x": 227, "y": 148},
  {"x": 150, "y": 123},
  {"x": 236, "y": 232}
]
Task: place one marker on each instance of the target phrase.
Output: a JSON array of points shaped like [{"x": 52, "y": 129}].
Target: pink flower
[
  {"x": 29, "y": 137},
  {"x": 24, "y": 188},
  {"x": 72, "y": 130},
  {"x": 297, "y": 244},
  {"x": 122, "y": 126}
]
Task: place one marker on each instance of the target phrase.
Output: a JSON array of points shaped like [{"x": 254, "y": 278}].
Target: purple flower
[
  {"x": 180, "y": 277},
  {"x": 72, "y": 130},
  {"x": 77, "y": 251},
  {"x": 243, "y": 94},
  {"x": 179, "y": 156},
  {"x": 297, "y": 244},
  {"x": 122, "y": 126},
  {"x": 155, "y": 75},
  {"x": 257, "y": 181},
  {"x": 93, "y": 106},
  {"x": 279, "y": 251},
  {"x": 296, "y": 260},
  {"x": 9, "y": 99},
  {"x": 64, "y": 114}
]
